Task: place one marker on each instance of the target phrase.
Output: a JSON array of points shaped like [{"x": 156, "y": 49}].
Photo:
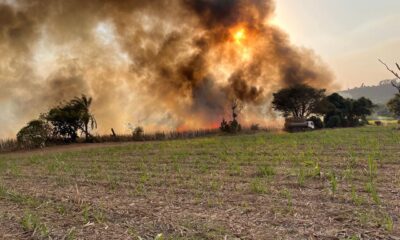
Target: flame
[{"x": 240, "y": 38}]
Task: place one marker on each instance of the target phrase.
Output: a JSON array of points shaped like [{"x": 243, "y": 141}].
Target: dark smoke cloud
[{"x": 162, "y": 64}]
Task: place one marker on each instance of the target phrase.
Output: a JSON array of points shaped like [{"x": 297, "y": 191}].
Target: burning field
[
  {"x": 144, "y": 68},
  {"x": 167, "y": 65}
]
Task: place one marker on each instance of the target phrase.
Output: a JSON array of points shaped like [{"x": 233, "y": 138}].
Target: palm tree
[{"x": 83, "y": 104}]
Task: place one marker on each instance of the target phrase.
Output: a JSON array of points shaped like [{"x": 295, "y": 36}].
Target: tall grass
[{"x": 10, "y": 145}]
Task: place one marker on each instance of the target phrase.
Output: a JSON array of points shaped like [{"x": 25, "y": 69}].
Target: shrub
[
  {"x": 255, "y": 127},
  {"x": 34, "y": 135},
  {"x": 334, "y": 121},
  {"x": 231, "y": 127},
  {"x": 138, "y": 134},
  {"x": 224, "y": 127},
  {"x": 160, "y": 136},
  {"x": 317, "y": 122}
]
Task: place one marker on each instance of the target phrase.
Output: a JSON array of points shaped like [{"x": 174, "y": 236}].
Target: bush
[
  {"x": 34, "y": 135},
  {"x": 231, "y": 127},
  {"x": 159, "y": 136},
  {"x": 255, "y": 127},
  {"x": 334, "y": 121},
  {"x": 138, "y": 134},
  {"x": 317, "y": 122}
]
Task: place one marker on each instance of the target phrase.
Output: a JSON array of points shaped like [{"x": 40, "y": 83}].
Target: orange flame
[{"x": 240, "y": 38}]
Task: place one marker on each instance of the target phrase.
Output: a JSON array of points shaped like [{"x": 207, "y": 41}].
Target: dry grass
[
  {"x": 11, "y": 145},
  {"x": 330, "y": 184}
]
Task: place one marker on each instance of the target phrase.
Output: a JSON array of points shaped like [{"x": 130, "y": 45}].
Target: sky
[{"x": 349, "y": 35}]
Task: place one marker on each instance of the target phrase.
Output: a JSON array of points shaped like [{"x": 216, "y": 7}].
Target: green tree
[
  {"x": 344, "y": 112},
  {"x": 299, "y": 101},
  {"x": 69, "y": 118},
  {"x": 394, "y": 105},
  {"x": 88, "y": 121},
  {"x": 34, "y": 135}
]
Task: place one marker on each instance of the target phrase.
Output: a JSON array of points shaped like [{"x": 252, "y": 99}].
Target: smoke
[{"x": 158, "y": 63}]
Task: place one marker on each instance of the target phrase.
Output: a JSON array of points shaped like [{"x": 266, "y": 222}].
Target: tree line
[
  {"x": 70, "y": 120},
  {"x": 61, "y": 123},
  {"x": 304, "y": 102}
]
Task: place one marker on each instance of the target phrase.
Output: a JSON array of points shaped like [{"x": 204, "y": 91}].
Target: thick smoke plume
[{"x": 158, "y": 63}]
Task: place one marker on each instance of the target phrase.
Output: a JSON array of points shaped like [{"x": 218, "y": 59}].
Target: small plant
[
  {"x": 99, "y": 215},
  {"x": 112, "y": 181},
  {"x": 31, "y": 223},
  {"x": 316, "y": 171},
  {"x": 215, "y": 185},
  {"x": 333, "y": 182},
  {"x": 86, "y": 213},
  {"x": 388, "y": 223},
  {"x": 265, "y": 171},
  {"x": 349, "y": 172},
  {"x": 286, "y": 194},
  {"x": 354, "y": 196},
  {"x": 301, "y": 177},
  {"x": 235, "y": 169},
  {"x": 372, "y": 167},
  {"x": 371, "y": 189},
  {"x": 256, "y": 186}
]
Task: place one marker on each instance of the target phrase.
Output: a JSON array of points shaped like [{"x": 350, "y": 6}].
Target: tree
[
  {"x": 362, "y": 108},
  {"x": 299, "y": 101},
  {"x": 35, "y": 134},
  {"x": 234, "y": 125},
  {"x": 344, "y": 112},
  {"x": 69, "y": 118},
  {"x": 395, "y": 83},
  {"x": 88, "y": 121},
  {"x": 394, "y": 105},
  {"x": 65, "y": 121}
]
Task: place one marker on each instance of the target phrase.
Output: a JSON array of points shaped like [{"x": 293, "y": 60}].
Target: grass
[
  {"x": 259, "y": 186},
  {"x": 31, "y": 223},
  {"x": 333, "y": 182}
]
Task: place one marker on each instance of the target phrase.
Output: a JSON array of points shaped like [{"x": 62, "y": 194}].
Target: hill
[{"x": 379, "y": 94}]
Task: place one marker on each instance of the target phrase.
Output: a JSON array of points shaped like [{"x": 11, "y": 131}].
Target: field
[{"x": 329, "y": 184}]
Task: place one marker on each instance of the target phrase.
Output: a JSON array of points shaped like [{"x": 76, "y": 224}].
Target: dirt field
[{"x": 333, "y": 184}]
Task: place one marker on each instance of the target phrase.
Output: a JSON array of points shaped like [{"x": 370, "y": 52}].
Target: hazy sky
[{"x": 349, "y": 35}]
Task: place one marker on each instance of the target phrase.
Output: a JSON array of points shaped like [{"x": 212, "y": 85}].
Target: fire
[
  {"x": 240, "y": 36},
  {"x": 241, "y": 40}
]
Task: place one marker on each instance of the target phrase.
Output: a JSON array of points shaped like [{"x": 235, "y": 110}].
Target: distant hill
[{"x": 379, "y": 94}]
